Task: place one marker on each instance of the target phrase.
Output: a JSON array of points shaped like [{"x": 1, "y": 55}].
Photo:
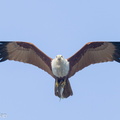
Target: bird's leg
[
  {"x": 59, "y": 87},
  {"x": 60, "y": 84},
  {"x": 56, "y": 82},
  {"x": 64, "y": 81}
]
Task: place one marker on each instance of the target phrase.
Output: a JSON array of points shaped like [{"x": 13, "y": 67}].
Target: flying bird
[{"x": 59, "y": 68}]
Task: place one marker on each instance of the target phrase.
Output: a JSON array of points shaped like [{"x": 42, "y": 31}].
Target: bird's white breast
[{"x": 60, "y": 68}]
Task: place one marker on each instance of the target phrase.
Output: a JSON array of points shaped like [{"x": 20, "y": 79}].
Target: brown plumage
[
  {"x": 91, "y": 53},
  {"x": 94, "y": 52},
  {"x": 25, "y": 52}
]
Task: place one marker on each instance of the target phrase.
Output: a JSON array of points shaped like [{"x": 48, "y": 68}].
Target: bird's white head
[{"x": 59, "y": 57}]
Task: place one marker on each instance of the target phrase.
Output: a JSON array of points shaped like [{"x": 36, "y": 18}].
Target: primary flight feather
[{"x": 60, "y": 68}]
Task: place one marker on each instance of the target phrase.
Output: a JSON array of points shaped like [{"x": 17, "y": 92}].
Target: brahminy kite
[{"x": 59, "y": 68}]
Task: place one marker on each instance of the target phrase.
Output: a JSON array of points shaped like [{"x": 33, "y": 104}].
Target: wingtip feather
[
  {"x": 3, "y": 51},
  {"x": 116, "y": 54}
]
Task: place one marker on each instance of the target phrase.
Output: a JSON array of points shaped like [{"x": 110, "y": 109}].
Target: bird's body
[{"x": 59, "y": 68}]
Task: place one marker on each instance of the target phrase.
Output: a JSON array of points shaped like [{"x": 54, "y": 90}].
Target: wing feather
[
  {"x": 94, "y": 52},
  {"x": 25, "y": 52}
]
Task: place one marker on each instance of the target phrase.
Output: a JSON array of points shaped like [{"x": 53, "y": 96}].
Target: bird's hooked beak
[
  {"x": 59, "y": 57},
  {"x": 59, "y": 88}
]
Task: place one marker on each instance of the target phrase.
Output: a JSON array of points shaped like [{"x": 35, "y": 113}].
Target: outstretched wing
[
  {"x": 25, "y": 52},
  {"x": 94, "y": 52}
]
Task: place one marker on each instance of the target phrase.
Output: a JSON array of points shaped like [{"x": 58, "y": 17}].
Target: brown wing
[
  {"x": 25, "y": 52},
  {"x": 94, "y": 52}
]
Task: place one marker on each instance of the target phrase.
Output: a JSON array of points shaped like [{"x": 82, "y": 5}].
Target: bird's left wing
[
  {"x": 25, "y": 52},
  {"x": 94, "y": 52}
]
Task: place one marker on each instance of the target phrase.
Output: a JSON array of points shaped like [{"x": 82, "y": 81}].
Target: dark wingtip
[
  {"x": 3, "y": 51},
  {"x": 116, "y": 54}
]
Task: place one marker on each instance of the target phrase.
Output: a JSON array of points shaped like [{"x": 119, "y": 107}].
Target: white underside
[{"x": 60, "y": 68}]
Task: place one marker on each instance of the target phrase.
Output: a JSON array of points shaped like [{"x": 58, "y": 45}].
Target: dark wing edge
[
  {"x": 94, "y": 52},
  {"x": 25, "y": 52}
]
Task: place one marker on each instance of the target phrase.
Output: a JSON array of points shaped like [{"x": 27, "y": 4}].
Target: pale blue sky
[{"x": 59, "y": 27}]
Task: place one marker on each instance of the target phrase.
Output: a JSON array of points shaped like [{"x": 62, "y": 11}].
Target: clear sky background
[{"x": 59, "y": 27}]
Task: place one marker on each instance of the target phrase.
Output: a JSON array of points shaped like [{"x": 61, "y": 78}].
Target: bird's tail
[{"x": 66, "y": 92}]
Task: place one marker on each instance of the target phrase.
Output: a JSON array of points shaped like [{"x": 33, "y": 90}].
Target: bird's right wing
[{"x": 25, "y": 52}]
